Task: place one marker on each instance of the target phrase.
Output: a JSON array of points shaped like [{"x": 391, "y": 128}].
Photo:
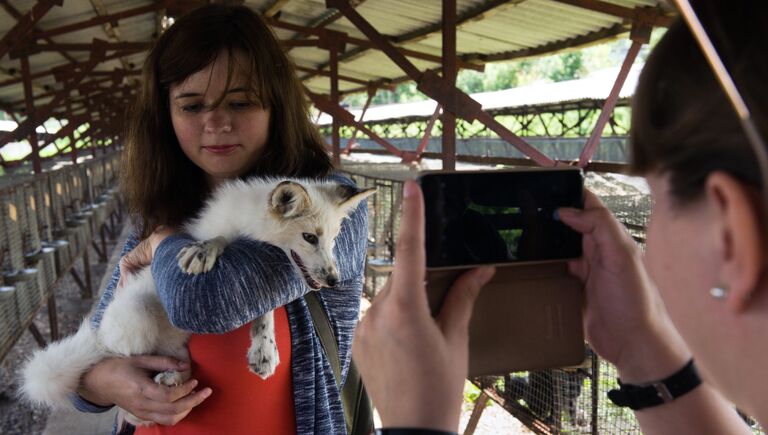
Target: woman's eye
[
  {"x": 240, "y": 105},
  {"x": 310, "y": 238},
  {"x": 192, "y": 108}
]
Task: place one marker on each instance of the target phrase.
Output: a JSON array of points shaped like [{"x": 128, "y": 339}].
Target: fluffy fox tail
[{"x": 53, "y": 374}]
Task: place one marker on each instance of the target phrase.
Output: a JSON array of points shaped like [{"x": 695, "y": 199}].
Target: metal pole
[
  {"x": 30, "y": 106},
  {"x": 334, "y": 58},
  {"x": 449, "y": 75},
  {"x": 610, "y": 103}
]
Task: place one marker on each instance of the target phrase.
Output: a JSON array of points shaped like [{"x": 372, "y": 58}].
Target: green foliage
[{"x": 472, "y": 393}]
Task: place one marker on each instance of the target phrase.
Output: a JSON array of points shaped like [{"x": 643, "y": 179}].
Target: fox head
[{"x": 309, "y": 217}]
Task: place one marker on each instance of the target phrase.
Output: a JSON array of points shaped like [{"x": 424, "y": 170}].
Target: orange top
[{"x": 241, "y": 402}]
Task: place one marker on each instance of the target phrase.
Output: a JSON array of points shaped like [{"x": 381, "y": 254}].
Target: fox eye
[{"x": 310, "y": 238}]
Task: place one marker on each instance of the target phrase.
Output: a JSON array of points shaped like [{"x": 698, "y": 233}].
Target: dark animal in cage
[{"x": 547, "y": 392}]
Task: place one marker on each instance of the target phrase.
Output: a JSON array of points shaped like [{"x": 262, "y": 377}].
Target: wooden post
[
  {"x": 449, "y": 75},
  {"x": 477, "y": 412},
  {"x": 30, "y": 107}
]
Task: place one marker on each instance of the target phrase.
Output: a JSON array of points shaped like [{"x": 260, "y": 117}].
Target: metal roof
[{"x": 487, "y": 31}]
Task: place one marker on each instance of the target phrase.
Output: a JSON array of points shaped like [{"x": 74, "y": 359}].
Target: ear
[
  {"x": 741, "y": 234},
  {"x": 347, "y": 197},
  {"x": 289, "y": 200}
]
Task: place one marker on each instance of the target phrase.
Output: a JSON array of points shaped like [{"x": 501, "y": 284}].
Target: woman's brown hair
[
  {"x": 162, "y": 186},
  {"x": 683, "y": 125}
]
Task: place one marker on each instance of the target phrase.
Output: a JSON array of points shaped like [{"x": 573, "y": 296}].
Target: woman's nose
[{"x": 217, "y": 121}]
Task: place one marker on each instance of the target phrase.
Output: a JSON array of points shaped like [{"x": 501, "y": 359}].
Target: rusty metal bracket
[
  {"x": 26, "y": 24},
  {"x": 640, "y": 37},
  {"x": 324, "y": 104}
]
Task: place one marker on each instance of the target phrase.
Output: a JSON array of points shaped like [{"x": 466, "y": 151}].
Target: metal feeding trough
[
  {"x": 22, "y": 275},
  {"x": 381, "y": 265}
]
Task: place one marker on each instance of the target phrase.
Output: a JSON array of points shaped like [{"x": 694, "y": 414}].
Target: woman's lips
[{"x": 220, "y": 149}]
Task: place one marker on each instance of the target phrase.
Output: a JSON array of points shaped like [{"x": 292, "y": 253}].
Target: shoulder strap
[
  {"x": 325, "y": 333},
  {"x": 358, "y": 412}
]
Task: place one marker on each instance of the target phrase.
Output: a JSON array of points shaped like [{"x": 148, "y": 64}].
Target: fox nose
[{"x": 332, "y": 280}]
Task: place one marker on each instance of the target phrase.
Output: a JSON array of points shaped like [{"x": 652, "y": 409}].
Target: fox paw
[
  {"x": 199, "y": 257},
  {"x": 170, "y": 378},
  {"x": 263, "y": 358}
]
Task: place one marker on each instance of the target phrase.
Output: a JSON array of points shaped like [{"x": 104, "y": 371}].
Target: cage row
[{"x": 46, "y": 223}]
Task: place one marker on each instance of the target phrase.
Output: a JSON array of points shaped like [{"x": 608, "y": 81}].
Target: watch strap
[{"x": 656, "y": 393}]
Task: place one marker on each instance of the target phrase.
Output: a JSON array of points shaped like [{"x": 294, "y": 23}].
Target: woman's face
[
  {"x": 683, "y": 259},
  {"x": 224, "y": 141}
]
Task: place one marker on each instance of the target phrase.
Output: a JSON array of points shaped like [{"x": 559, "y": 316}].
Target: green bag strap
[
  {"x": 325, "y": 333},
  {"x": 358, "y": 412}
]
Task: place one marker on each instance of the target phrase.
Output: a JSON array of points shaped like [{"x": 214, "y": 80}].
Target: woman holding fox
[
  {"x": 217, "y": 105},
  {"x": 706, "y": 250}
]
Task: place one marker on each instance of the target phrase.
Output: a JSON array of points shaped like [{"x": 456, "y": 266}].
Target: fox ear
[
  {"x": 289, "y": 200},
  {"x": 347, "y": 197}
]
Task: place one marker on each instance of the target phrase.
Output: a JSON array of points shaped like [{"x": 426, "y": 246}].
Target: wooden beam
[
  {"x": 275, "y": 7},
  {"x": 368, "y": 45},
  {"x": 24, "y": 128},
  {"x": 449, "y": 75},
  {"x": 113, "y": 19},
  {"x": 642, "y": 15},
  {"x": 17, "y": 15},
  {"x": 615, "y": 168},
  {"x": 64, "y": 71},
  {"x": 24, "y": 26},
  {"x": 467, "y": 16},
  {"x": 34, "y": 48},
  {"x": 439, "y": 89},
  {"x": 552, "y": 47}
]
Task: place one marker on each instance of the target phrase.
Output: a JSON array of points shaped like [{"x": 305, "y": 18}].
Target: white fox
[{"x": 303, "y": 217}]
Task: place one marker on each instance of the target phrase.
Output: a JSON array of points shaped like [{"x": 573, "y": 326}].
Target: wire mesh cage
[
  {"x": 15, "y": 271},
  {"x": 10, "y": 322}
]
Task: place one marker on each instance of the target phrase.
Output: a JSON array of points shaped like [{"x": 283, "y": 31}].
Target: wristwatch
[{"x": 656, "y": 393}]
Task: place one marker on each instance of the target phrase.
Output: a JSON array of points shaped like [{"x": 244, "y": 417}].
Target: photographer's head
[{"x": 707, "y": 226}]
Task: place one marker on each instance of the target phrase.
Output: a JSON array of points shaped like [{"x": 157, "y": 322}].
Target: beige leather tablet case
[{"x": 528, "y": 317}]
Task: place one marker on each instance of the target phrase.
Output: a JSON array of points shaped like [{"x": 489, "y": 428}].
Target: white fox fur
[{"x": 302, "y": 217}]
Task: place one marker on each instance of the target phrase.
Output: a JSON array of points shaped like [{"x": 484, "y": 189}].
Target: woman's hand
[
  {"x": 141, "y": 256},
  {"x": 127, "y": 382},
  {"x": 413, "y": 365},
  {"x": 625, "y": 320}
]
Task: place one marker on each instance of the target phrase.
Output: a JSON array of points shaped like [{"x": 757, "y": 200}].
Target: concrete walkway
[{"x": 66, "y": 422}]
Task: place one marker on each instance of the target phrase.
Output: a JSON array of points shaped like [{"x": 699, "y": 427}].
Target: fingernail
[
  {"x": 486, "y": 272},
  {"x": 409, "y": 189},
  {"x": 207, "y": 392},
  {"x": 183, "y": 364},
  {"x": 565, "y": 211}
]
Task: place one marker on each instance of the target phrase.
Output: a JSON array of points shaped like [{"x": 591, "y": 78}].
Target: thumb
[
  {"x": 159, "y": 363},
  {"x": 457, "y": 309}
]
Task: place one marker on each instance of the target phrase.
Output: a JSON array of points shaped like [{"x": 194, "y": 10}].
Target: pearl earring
[{"x": 718, "y": 292}]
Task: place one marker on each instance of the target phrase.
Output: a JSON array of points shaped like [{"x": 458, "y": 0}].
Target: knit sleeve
[{"x": 249, "y": 279}]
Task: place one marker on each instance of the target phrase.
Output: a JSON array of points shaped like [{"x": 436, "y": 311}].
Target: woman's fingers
[
  {"x": 135, "y": 260},
  {"x": 410, "y": 259},
  {"x": 159, "y": 363},
  {"x": 457, "y": 309},
  {"x": 181, "y": 406},
  {"x": 167, "y": 394}
]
